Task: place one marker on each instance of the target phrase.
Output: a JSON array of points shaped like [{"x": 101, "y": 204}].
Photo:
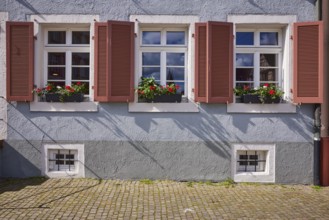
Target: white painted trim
[
  {"x": 261, "y": 108},
  {"x": 143, "y": 21},
  {"x": 64, "y": 107},
  {"x": 3, "y": 68},
  {"x": 163, "y": 107},
  {"x": 268, "y": 176},
  {"x": 43, "y": 21},
  {"x": 80, "y": 169},
  {"x": 285, "y": 22}
]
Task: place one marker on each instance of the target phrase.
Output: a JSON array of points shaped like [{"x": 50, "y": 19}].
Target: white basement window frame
[
  {"x": 68, "y": 23},
  {"x": 283, "y": 25},
  {"x": 63, "y": 160},
  {"x": 250, "y": 168},
  {"x": 164, "y": 24}
]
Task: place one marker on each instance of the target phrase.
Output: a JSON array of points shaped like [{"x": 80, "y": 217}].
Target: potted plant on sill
[
  {"x": 52, "y": 93},
  {"x": 150, "y": 91},
  {"x": 268, "y": 93}
]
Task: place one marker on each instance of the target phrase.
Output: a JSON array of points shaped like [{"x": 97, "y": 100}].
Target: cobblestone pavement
[{"x": 39, "y": 198}]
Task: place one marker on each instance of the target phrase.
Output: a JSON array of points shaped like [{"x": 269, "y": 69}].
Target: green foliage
[
  {"x": 148, "y": 88},
  {"x": 189, "y": 184},
  {"x": 227, "y": 183},
  {"x": 317, "y": 188},
  {"x": 146, "y": 181}
]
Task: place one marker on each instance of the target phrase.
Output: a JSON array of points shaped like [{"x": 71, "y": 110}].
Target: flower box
[
  {"x": 77, "y": 97},
  {"x": 170, "y": 98},
  {"x": 268, "y": 100},
  {"x": 249, "y": 98}
]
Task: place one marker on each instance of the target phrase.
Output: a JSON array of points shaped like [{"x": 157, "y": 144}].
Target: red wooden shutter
[
  {"x": 200, "y": 91},
  {"x": 308, "y": 62},
  {"x": 20, "y": 61},
  {"x": 214, "y": 62},
  {"x": 101, "y": 62},
  {"x": 121, "y": 61},
  {"x": 220, "y": 62}
]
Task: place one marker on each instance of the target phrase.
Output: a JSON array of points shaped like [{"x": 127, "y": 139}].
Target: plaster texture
[{"x": 181, "y": 146}]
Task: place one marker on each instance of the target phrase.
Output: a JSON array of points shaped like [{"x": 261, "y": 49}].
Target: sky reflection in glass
[
  {"x": 176, "y": 37},
  {"x": 151, "y": 37},
  {"x": 244, "y": 38}
]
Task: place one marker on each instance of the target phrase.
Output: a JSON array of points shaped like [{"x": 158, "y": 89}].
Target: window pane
[
  {"x": 175, "y": 59},
  {"x": 268, "y": 74},
  {"x": 269, "y": 38},
  {"x": 56, "y": 37},
  {"x": 80, "y": 59},
  {"x": 69, "y": 156},
  {"x": 69, "y": 162},
  {"x": 56, "y": 73},
  {"x": 151, "y": 37},
  {"x": 181, "y": 85},
  {"x": 80, "y": 37},
  {"x": 269, "y": 60},
  {"x": 56, "y": 58},
  {"x": 244, "y": 59},
  {"x": 242, "y": 85},
  {"x": 244, "y": 38},
  {"x": 244, "y": 74},
  {"x": 151, "y": 72},
  {"x": 80, "y": 73},
  {"x": 151, "y": 59},
  {"x": 59, "y": 162},
  {"x": 176, "y": 37},
  {"x": 59, "y": 156},
  {"x": 176, "y": 73}
]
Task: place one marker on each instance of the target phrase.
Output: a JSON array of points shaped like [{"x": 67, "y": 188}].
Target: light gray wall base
[{"x": 182, "y": 161}]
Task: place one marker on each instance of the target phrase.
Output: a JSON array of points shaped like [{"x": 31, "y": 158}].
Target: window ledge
[
  {"x": 163, "y": 107},
  {"x": 261, "y": 108},
  {"x": 64, "y": 107}
]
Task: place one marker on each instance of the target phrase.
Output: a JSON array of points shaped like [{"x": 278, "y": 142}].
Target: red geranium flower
[
  {"x": 48, "y": 88},
  {"x": 170, "y": 89},
  {"x": 271, "y": 92},
  {"x": 78, "y": 83},
  {"x": 152, "y": 87},
  {"x": 266, "y": 84},
  {"x": 245, "y": 87},
  {"x": 68, "y": 87}
]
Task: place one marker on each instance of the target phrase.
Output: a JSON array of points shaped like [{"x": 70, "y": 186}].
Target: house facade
[{"x": 206, "y": 47}]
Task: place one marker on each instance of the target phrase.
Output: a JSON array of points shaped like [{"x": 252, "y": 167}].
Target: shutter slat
[
  {"x": 121, "y": 61},
  {"x": 101, "y": 62},
  {"x": 308, "y": 62},
  {"x": 20, "y": 60}
]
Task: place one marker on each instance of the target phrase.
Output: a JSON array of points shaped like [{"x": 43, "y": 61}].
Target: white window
[
  {"x": 163, "y": 56},
  {"x": 63, "y": 160},
  {"x": 253, "y": 162},
  {"x": 67, "y": 56},
  {"x": 258, "y": 55}
]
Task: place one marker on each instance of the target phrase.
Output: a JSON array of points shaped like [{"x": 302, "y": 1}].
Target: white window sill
[
  {"x": 261, "y": 108},
  {"x": 259, "y": 177},
  {"x": 163, "y": 107},
  {"x": 62, "y": 174},
  {"x": 63, "y": 107}
]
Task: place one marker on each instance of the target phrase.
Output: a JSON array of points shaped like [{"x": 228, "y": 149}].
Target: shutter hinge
[
  {"x": 135, "y": 34},
  {"x": 291, "y": 37},
  {"x": 291, "y": 91},
  {"x": 93, "y": 37},
  {"x": 193, "y": 35},
  {"x": 92, "y": 87},
  {"x": 192, "y": 89},
  {"x": 35, "y": 38}
]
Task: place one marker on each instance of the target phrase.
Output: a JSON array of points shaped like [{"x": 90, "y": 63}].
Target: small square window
[
  {"x": 151, "y": 37},
  {"x": 269, "y": 38},
  {"x": 175, "y": 37},
  {"x": 62, "y": 160},
  {"x": 56, "y": 37},
  {"x": 245, "y": 38},
  {"x": 251, "y": 161},
  {"x": 80, "y": 37}
]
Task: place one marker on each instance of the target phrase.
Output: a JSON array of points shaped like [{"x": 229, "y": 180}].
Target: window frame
[
  {"x": 163, "y": 49},
  {"x": 258, "y": 49},
  {"x": 68, "y": 49},
  {"x": 171, "y": 21}
]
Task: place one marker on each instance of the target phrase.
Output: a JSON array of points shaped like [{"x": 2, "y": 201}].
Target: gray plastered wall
[{"x": 180, "y": 146}]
